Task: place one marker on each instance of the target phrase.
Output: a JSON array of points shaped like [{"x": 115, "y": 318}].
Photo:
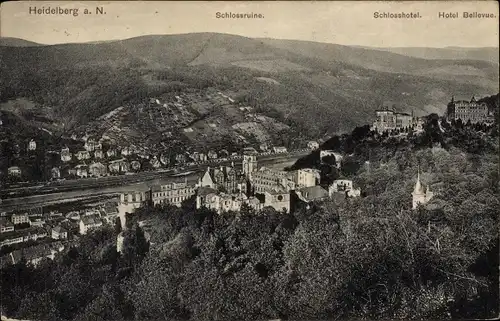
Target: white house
[
  {"x": 155, "y": 162},
  {"x": 126, "y": 151},
  {"x": 82, "y": 171},
  {"x": 344, "y": 186},
  {"x": 97, "y": 169},
  {"x": 82, "y": 155},
  {"x": 32, "y": 145},
  {"x": 135, "y": 165},
  {"x": 89, "y": 222},
  {"x": 111, "y": 152},
  {"x": 59, "y": 233},
  {"x": 312, "y": 145},
  {"x": 91, "y": 145},
  {"x": 65, "y": 155},
  {"x": 20, "y": 219},
  {"x": 56, "y": 173},
  {"x": 14, "y": 171},
  {"x": 98, "y": 154},
  {"x": 305, "y": 177},
  {"x": 279, "y": 149},
  {"x": 6, "y": 225},
  {"x": 165, "y": 159}
]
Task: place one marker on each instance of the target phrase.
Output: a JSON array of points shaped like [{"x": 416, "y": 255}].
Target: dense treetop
[{"x": 371, "y": 257}]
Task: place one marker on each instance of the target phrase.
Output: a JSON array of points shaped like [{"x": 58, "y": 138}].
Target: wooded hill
[
  {"x": 371, "y": 257},
  {"x": 320, "y": 88}
]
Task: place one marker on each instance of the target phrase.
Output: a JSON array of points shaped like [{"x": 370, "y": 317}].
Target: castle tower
[
  {"x": 119, "y": 242},
  {"x": 420, "y": 195},
  {"x": 249, "y": 165}
]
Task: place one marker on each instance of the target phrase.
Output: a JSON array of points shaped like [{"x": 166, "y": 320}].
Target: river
[{"x": 26, "y": 202}]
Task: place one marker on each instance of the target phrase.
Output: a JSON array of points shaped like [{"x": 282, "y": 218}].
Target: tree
[
  {"x": 349, "y": 166},
  {"x": 330, "y": 160},
  {"x": 135, "y": 246},
  {"x": 118, "y": 225}
]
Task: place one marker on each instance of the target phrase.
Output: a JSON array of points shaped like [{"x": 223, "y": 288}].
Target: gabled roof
[
  {"x": 98, "y": 164},
  {"x": 31, "y": 253},
  {"x": 117, "y": 161},
  {"x": 276, "y": 190},
  {"x": 312, "y": 193},
  {"x": 110, "y": 209},
  {"x": 91, "y": 220},
  {"x": 204, "y": 191},
  {"x": 5, "y": 222},
  {"x": 59, "y": 229}
]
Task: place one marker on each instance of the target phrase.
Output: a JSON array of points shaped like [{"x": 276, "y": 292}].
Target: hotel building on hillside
[
  {"x": 472, "y": 111},
  {"x": 389, "y": 119}
]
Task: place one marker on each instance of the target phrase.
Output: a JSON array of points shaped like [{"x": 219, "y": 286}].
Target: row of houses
[
  {"x": 95, "y": 217},
  {"x": 34, "y": 254},
  {"x": 94, "y": 150},
  {"x": 95, "y": 169},
  {"x": 22, "y": 236},
  {"x": 8, "y": 224},
  {"x": 42, "y": 229},
  {"x": 60, "y": 228},
  {"x": 99, "y": 167}
]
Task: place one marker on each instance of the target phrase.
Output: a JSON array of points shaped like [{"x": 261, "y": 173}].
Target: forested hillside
[
  {"x": 321, "y": 88},
  {"x": 370, "y": 257}
]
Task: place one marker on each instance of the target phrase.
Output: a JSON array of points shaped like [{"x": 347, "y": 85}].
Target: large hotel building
[
  {"x": 389, "y": 119},
  {"x": 472, "y": 111}
]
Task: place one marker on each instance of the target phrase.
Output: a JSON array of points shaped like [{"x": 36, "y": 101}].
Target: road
[{"x": 111, "y": 186}]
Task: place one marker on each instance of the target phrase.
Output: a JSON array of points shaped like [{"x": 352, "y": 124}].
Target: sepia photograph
[{"x": 249, "y": 160}]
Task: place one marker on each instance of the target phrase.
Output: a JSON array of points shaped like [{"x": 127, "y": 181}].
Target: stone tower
[
  {"x": 420, "y": 194},
  {"x": 249, "y": 165}
]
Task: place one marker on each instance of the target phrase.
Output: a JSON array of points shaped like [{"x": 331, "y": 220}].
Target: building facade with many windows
[
  {"x": 390, "y": 119},
  {"x": 174, "y": 193},
  {"x": 466, "y": 111}
]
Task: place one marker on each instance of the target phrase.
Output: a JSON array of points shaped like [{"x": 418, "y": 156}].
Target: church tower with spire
[
  {"x": 249, "y": 165},
  {"x": 421, "y": 195}
]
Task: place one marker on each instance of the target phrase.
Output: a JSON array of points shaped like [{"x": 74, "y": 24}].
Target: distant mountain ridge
[
  {"x": 315, "y": 88},
  {"x": 489, "y": 54},
  {"x": 17, "y": 42}
]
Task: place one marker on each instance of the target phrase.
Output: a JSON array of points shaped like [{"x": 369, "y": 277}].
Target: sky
[{"x": 343, "y": 22}]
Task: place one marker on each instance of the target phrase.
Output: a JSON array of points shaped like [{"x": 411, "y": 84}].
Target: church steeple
[
  {"x": 420, "y": 194},
  {"x": 419, "y": 189}
]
